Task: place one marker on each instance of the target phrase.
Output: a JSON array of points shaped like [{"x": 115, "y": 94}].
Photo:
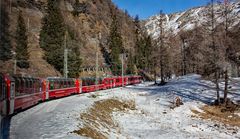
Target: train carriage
[
  {"x": 89, "y": 84},
  {"x": 109, "y": 82},
  {"x": 27, "y": 92},
  {"x": 60, "y": 87},
  {"x": 18, "y": 93}
]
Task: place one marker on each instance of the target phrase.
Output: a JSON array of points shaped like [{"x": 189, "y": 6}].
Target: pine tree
[
  {"x": 5, "y": 44},
  {"x": 141, "y": 59},
  {"x": 52, "y": 35},
  {"x": 148, "y": 51},
  {"x": 74, "y": 59},
  {"x": 79, "y": 8},
  {"x": 76, "y": 5},
  {"x": 22, "y": 54},
  {"x": 130, "y": 64},
  {"x": 116, "y": 46},
  {"x": 74, "y": 63},
  {"x": 138, "y": 41}
]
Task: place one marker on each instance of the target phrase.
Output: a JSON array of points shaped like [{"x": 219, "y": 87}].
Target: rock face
[
  {"x": 86, "y": 27},
  {"x": 187, "y": 20}
]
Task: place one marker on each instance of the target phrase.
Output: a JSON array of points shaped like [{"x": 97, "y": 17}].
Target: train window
[
  {"x": 83, "y": 83},
  {"x": 73, "y": 83},
  {"x": 65, "y": 83},
  {"x": 56, "y": 84},
  {"x": 51, "y": 82},
  {"x": 21, "y": 86},
  {"x": 38, "y": 85},
  {"x": 69, "y": 83},
  {"x": 35, "y": 86},
  {"x": 87, "y": 82},
  {"x": 17, "y": 86},
  {"x": 93, "y": 81},
  {"x": 30, "y": 86},
  {"x": 12, "y": 90},
  {"x": 26, "y": 87},
  {"x": 61, "y": 84}
]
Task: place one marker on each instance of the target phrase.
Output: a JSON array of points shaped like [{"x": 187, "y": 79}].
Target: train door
[
  {"x": 114, "y": 82},
  {"x": 80, "y": 86},
  {"x": 10, "y": 95},
  {"x": 43, "y": 89},
  {"x": 111, "y": 83},
  {"x": 47, "y": 90}
]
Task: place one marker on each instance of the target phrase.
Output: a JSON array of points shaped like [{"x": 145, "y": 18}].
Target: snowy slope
[
  {"x": 157, "y": 120},
  {"x": 152, "y": 119},
  {"x": 187, "y": 20}
]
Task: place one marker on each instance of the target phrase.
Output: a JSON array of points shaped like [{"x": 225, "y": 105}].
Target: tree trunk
[
  {"x": 162, "y": 75},
  {"x": 155, "y": 76},
  {"x": 226, "y": 87},
  {"x": 238, "y": 71},
  {"x": 217, "y": 87},
  {"x": 184, "y": 58}
]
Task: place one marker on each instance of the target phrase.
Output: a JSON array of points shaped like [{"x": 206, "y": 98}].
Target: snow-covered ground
[{"x": 153, "y": 117}]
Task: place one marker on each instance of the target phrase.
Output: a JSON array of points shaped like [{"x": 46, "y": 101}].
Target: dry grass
[
  {"x": 215, "y": 113},
  {"x": 90, "y": 132},
  {"x": 99, "y": 117}
]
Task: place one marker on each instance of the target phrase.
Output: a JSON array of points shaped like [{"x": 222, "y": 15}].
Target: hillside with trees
[
  {"x": 209, "y": 47},
  {"x": 72, "y": 24}
]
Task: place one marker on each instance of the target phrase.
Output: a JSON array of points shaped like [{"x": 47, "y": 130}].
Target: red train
[{"x": 18, "y": 93}]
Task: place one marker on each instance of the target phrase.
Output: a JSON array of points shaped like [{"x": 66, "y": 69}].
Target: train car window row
[
  {"x": 61, "y": 83},
  {"x": 88, "y": 81},
  {"x": 24, "y": 85}
]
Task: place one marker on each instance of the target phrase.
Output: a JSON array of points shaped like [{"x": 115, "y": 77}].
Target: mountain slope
[
  {"x": 85, "y": 27},
  {"x": 187, "y": 20}
]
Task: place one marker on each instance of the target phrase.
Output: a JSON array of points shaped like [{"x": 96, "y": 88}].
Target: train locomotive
[{"x": 18, "y": 93}]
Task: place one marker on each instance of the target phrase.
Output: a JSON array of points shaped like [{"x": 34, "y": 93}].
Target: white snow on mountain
[{"x": 187, "y": 20}]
